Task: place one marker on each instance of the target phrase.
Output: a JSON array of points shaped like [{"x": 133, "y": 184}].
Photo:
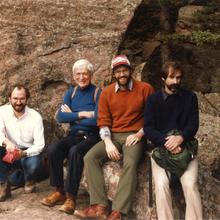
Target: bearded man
[
  {"x": 173, "y": 108},
  {"x": 21, "y": 131}
]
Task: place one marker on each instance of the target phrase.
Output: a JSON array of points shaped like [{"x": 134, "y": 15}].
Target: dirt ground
[{"x": 27, "y": 206}]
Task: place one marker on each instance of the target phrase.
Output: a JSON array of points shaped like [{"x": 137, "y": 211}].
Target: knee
[
  {"x": 32, "y": 170},
  {"x": 88, "y": 158},
  {"x": 73, "y": 152},
  {"x": 130, "y": 163},
  {"x": 189, "y": 185},
  {"x": 161, "y": 183},
  {"x": 52, "y": 150}
]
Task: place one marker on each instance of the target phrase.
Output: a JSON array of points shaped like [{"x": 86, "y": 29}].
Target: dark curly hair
[
  {"x": 170, "y": 64},
  {"x": 19, "y": 87}
]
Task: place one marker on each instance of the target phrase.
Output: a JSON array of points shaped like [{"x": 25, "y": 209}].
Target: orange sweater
[{"x": 122, "y": 111}]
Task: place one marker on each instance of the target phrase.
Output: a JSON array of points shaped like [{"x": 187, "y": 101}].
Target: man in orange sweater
[{"x": 120, "y": 118}]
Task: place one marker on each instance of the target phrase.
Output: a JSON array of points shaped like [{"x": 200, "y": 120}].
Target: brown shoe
[
  {"x": 56, "y": 198},
  {"x": 115, "y": 215},
  {"x": 92, "y": 211},
  {"x": 30, "y": 186},
  {"x": 68, "y": 206},
  {"x": 5, "y": 191}
]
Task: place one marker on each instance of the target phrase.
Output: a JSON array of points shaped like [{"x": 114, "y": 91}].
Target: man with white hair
[{"x": 79, "y": 109}]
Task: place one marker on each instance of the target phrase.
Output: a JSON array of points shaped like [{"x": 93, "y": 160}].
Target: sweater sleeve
[
  {"x": 66, "y": 117},
  {"x": 149, "y": 90},
  {"x": 192, "y": 123},
  {"x": 104, "y": 115},
  {"x": 150, "y": 132}
]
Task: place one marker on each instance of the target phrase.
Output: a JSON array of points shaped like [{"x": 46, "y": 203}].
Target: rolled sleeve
[{"x": 105, "y": 132}]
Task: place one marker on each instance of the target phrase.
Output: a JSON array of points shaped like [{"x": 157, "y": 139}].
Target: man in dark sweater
[{"x": 173, "y": 108}]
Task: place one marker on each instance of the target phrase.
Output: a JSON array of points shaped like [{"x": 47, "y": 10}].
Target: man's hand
[
  {"x": 111, "y": 150},
  {"x": 20, "y": 154},
  {"x": 86, "y": 114},
  {"x": 173, "y": 141},
  {"x": 133, "y": 139},
  {"x": 10, "y": 146},
  {"x": 176, "y": 150},
  {"x": 65, "y": 108}
]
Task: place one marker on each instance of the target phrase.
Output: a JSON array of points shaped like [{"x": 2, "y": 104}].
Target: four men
[
  {"x": 121, "y": 119},
  {"x": 21, "y": 129}
]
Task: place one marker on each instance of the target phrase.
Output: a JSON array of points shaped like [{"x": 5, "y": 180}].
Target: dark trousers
[{"x": 73, "y": 148}]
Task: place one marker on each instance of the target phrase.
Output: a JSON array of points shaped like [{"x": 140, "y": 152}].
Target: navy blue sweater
[
  {"x": 177, "y": 111},
  {"x": 83, "y": 100}
]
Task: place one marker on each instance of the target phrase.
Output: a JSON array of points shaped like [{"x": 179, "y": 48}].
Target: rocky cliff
[{"x": 41, "y": 39}]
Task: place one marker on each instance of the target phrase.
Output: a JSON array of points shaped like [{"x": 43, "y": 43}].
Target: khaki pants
[
  {"x": 94, "y": 160},
  {"x": 190, "y": 189}
]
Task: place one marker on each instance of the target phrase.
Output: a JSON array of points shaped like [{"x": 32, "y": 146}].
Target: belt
[{"x": 86, "y": 133}]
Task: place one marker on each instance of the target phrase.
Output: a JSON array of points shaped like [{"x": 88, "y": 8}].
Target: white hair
[{"x": 83, "y": 63}]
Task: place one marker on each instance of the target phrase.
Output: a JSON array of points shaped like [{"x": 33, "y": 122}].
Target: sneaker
[
  {"x": 30, "y": 186},
  {"x": 56, "y": 198},
  {"x": 5, "y": 191},
  {"x": 68, "y": 206},
  {"x": 93, "y": 211}
]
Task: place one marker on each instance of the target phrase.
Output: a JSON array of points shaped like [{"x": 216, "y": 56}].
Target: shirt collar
[
  {"x": 166, "y": 95},
  {"x": 12, "y": 112},
  {"x": 129, "y": 86}
]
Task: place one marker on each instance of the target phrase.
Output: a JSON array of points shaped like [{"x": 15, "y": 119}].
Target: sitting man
[
  {"x": 21, "y": 128},
  {"x": 120, "y": 118},
  {"x": 79, "y": 109},
  {"x": 173, "y": 108}
]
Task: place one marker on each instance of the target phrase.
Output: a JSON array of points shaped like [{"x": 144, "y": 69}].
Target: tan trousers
[{"x": 190, "y": 189}]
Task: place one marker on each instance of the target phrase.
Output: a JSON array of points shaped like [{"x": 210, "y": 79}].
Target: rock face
[{"x": 41, "y": 39}]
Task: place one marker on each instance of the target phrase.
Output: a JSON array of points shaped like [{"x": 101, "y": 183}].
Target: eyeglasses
[
  {"x": 83, "y": 74},
  {"x": 124, "y": 72}
]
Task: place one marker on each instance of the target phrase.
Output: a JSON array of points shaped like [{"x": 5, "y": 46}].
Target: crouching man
[{"x": 21, "y": 135}]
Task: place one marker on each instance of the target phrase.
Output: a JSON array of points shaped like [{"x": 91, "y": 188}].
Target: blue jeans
[{"x": 29, "y": 165}]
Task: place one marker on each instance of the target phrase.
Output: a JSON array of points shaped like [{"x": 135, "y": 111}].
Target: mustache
[
  {"x": 174, "y": 86},
  {"x": 19, "y": 105},
  {"x": 123, "y": 77}
]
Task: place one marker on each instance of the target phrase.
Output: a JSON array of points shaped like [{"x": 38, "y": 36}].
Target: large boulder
[
  {"x": 40, "y": 40},
  {"x": 186, "y": 20},
  {"x": 209, "y": 164}
]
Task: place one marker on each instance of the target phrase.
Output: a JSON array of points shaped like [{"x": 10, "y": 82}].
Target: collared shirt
[
  {"x": 26, "y": 132},
  {"x": 105, "y": 131},
  {"x": 166, "y": 95},
  {"x": 129, "y": 86}
]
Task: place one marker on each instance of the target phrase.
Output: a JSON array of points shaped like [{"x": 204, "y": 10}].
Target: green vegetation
[{"x": 197, "y": 37}]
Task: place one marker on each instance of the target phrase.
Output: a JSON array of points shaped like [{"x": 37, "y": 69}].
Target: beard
[
  {"x": 123, "y": 81},
  {"x": 174, "y": 88},
  {"x": 18, "y": 108}
]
